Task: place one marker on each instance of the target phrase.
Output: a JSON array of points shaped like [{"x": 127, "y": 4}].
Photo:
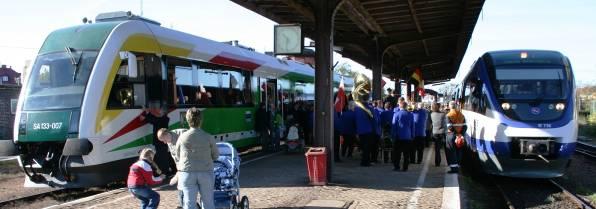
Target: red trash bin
[{"x": 316, "y": 163}]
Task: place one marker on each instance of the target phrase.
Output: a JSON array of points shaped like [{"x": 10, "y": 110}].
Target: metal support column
[
  {"x": 377, "y": 66},
  {"x": 323, "y": 118},
  {"x": 398, "y": 87}
]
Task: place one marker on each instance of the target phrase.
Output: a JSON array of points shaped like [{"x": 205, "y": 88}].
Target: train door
[
  {"x": 272, "y": 95},
  {"x": 154, "y": 80}
]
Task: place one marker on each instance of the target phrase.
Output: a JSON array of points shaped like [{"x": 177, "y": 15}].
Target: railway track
[
  {"x": 58, "y": 196},
  {"x": 537, "y": 193},
  {"x": 577, "y": 199},
  {"x": 586, "y": 149}
]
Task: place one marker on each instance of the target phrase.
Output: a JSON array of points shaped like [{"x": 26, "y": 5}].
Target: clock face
[{"x": 288, "y": 39}]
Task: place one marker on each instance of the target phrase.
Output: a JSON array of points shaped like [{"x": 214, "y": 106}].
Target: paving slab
[
  {"x": 326, "y": 204},
  {"x": 281, "y": 181}
]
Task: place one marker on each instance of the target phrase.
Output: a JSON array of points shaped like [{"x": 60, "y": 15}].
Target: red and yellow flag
[{"x": 417, "y": 75}]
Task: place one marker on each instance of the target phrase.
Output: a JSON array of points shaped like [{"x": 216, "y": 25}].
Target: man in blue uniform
[
  {"x": 348, "y": 130},
  {"x": 420, "y": 117},
  {"x": 402, "y": 131},
  {"x": 366, "y": 119},
  {"x": 386, "y": 118},
  {"x": 336, "y": 135},
  {"x": 374, "y": 145}
]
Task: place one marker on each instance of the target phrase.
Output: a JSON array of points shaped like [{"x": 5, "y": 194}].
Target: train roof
[
  {"x": 179, "y": 44},
  {"x": 522, "y": 56}
]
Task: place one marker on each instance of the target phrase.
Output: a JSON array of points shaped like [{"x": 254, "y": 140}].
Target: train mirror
[{"x": 132, "y": 65}]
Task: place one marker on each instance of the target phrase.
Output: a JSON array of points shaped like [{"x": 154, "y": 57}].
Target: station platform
[{"x": 280, "y": 181}]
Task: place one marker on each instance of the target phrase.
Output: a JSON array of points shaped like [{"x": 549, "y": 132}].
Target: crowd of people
[{"x": 405, "y": 128}]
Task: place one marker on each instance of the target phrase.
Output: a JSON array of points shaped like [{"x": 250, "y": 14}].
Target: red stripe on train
[{"x": 240, "y": 62}]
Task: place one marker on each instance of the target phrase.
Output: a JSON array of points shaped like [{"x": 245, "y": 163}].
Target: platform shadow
[{"x": 289, "y": 170}]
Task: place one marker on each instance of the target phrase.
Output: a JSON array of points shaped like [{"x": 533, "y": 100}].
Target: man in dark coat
[
  {"x": 159, "y": 119},
  {"x": 262, "y": 119}
]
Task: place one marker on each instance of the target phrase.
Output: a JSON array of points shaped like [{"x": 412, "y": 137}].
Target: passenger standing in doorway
[
  {"x": 402, "y": 130},
  {"x": 262, "y": 125},
  {"x": 158, "y": 117},
  {"x": 438, "y": 131},
  {"x": 196, "y": 150},
  {"x": 456, "y": 127},
  {"x": 276, "y": 123},
  {"x": 420, "y": 116}
]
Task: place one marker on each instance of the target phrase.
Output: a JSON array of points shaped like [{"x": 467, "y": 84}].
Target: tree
[
  {"x": 345, "y": 69},
  {"x": 448, "y": 90}
]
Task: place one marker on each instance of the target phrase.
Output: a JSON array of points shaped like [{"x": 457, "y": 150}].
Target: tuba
[{"x": 361, "y": 93}]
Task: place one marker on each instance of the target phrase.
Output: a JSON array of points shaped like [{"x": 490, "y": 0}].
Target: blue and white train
[{"x": 521, "y": 112}]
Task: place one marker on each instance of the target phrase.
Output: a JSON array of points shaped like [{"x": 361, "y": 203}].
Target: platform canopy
[{"x": 428, "y": 34}]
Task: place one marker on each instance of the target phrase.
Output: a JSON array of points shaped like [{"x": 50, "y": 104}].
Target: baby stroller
[{"x": 227, "y": 174}]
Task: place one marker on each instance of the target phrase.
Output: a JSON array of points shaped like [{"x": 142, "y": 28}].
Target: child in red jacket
[{"x": 141, "y": 177}]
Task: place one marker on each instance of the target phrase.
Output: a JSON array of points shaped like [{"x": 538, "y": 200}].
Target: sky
[{"x": 568, "y": 26}]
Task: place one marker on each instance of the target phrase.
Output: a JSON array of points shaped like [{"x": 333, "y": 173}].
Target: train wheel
[
  {"x": 234, "y": 202},
  {"x": 244, "y": 203}
]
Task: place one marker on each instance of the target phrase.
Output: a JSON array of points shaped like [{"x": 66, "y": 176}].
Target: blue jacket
[
  {"x": 386, "y": 117},
  {"x": 402, "y": 127},
  {"x": 377, "y": 113},
  {"x": 365, "y": 124},
  {"x": 420, "y": 117},
  {"x": 348, "y": 123},
  {"x": 336, "y": 123}
]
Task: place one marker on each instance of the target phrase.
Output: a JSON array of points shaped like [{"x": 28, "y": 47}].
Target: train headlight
[
  {"x": 506, "y": 106},
  {"x": 560, "y": 106}
]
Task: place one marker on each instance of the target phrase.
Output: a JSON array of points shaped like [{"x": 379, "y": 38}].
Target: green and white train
[{"x": 78, "y": 121}]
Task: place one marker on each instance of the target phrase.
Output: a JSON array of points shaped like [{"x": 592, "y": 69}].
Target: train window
[
  {"x": 139, "y": 94},
  {"x": 181, "y": 90},
  {"x": 236, "y": 86},
  {"x": 209, "y": 83},
  {"x": 473, "y": 92},
  {"x": 131, "y": 91},
  {"x": 221, "y": 85},
  {"x": 134, "y": 92}
]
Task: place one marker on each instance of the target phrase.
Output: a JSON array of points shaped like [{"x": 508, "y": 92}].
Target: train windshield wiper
[{"x": 74, "y": 62}]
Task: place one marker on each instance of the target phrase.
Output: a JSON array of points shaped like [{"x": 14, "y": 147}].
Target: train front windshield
[
  {"x": 530, "y": 84},
  {"x": 57, "y": 80}
]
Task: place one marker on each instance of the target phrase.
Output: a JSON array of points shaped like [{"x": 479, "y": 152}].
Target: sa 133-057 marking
[{"x": 47, "y": 126}]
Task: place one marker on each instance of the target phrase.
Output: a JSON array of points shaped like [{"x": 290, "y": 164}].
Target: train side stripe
[
  {"x": 135, "y": 143},
  {"x": 132, "y": 125},
  {"x": 229, "y": 59}
]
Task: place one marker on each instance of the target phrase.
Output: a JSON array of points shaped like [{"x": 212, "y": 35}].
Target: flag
[
  {"x": 340, "y": 100},
  {"x": 417, "y": 75}
]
